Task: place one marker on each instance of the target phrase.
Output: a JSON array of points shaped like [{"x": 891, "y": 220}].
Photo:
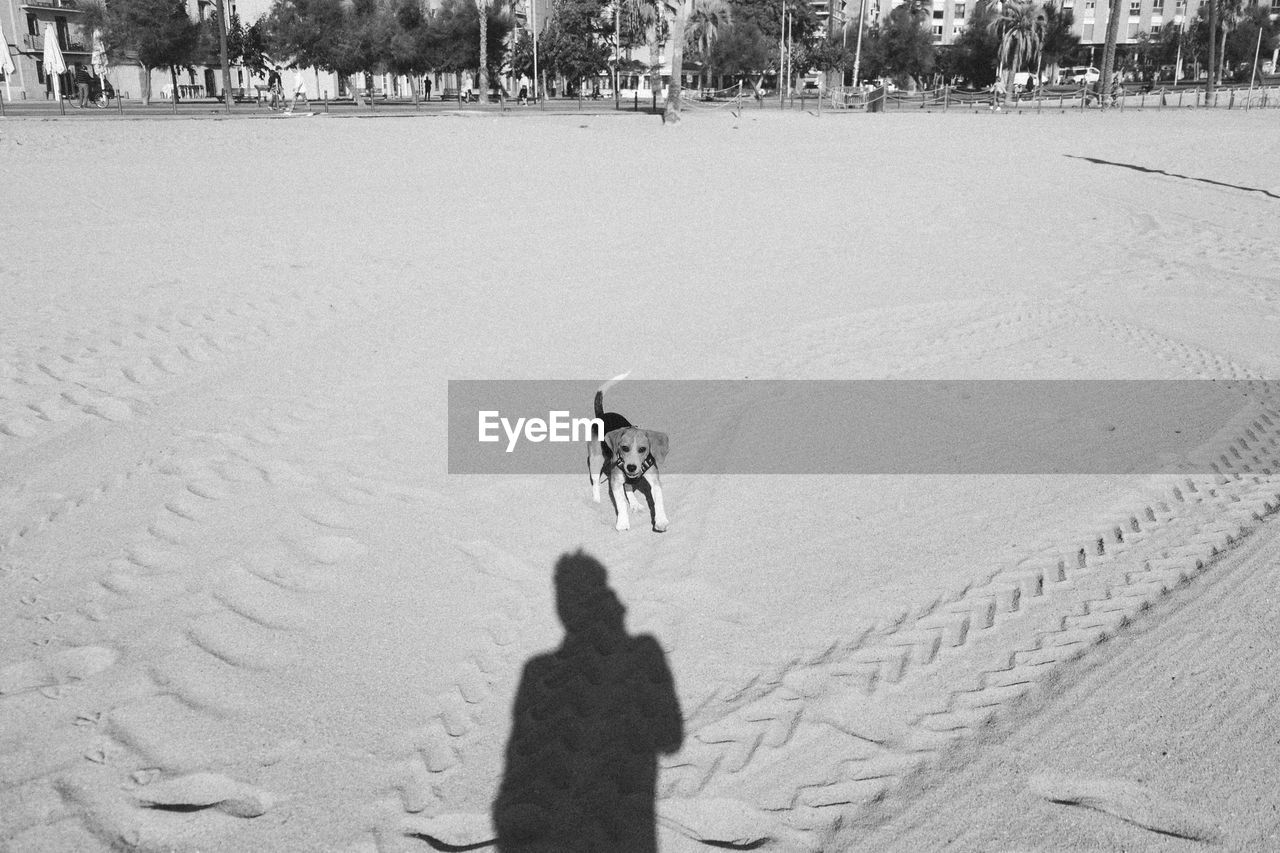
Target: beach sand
[{"x": 245, "y": 607}]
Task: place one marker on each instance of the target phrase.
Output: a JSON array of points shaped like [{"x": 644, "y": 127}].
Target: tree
[
  {"x": 1058, "y": 41},
  {"x": 709, "y": 19},
  {"x": 345, "y": 37},
  {"x": 409, "y": 51},
  {"x": 576, "y": 41},
  {"x": 1021, "y": 28},
  {"x": 453, "y": 33},
  {"x": 482, "y": 19},
  {"x": 158, "y": 33},
  {"x": 976, "y": 50},
  {"x": 901, "y": 48},
  {"x": 1109, "y": 50},
  {"x": 671, "y": 112},
  {"x": 248, "y": 45},
  {"x": 741, "y": 51}
]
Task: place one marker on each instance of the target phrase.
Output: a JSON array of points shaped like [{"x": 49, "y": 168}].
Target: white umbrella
[
  {"x": 6, "y": 61},
  {"x": 99, "y": 57},
  {"x": 53, "y": 61}
]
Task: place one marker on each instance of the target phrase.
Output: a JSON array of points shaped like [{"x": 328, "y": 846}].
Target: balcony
[
  {"x": 60, "y": 5},
  {"x": 35, "y": 44}
]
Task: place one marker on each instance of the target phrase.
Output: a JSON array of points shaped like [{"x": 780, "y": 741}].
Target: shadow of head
[{"x": 583, "y": 596}]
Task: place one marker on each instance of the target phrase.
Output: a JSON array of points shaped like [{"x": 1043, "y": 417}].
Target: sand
[{"x": 246, "y": 607}]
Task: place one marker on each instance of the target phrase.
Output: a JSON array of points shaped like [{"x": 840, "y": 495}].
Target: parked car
[{"x": 1079, "y": 74}]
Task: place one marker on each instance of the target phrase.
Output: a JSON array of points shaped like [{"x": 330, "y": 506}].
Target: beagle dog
[{"x": 629, "y": 458}]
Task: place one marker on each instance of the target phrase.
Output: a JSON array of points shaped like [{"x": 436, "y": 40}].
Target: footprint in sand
[
  {"x": 1128, "y": 801},
  {"x": 206, "y": 790},
  {"x": 68, "y": 665},
  {"x": 18, "y": 428}
]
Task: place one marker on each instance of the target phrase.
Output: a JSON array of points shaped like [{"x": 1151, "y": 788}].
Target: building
[
  {"x": 24, "y": 23},
  {"x": 949, "y": 17}
]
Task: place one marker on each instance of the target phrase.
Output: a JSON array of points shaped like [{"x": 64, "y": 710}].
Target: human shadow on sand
[{"x": 590, "y": 719}]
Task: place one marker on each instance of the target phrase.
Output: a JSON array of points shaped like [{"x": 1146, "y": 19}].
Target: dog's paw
[
  {"x": 661, "y": 526},
  {"x": 623, "y": 524}
]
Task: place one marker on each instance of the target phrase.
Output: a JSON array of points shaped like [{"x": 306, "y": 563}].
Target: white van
[{"x": 1079, "y": 74}]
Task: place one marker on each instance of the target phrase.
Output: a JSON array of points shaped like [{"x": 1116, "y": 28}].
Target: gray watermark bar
[{"x": 864, "y": 426}]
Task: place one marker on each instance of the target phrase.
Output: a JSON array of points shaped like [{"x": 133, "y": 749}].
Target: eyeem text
[{"x": 557, "y": 427}]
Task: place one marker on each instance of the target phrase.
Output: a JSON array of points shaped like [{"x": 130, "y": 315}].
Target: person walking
[
  {"x": 524, "y": 90},
  {"x": 273, "y": 86},
  {"x": 997, "y": 95},
  {"x": 299, "y": 90},
  {"x": 83, "y": 81},
  {"x": 426, "y": 82}
]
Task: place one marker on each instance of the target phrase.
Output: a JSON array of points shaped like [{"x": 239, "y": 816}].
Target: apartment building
[
  {"x": 24, "y": 22},
  {"x": 949, "y": 17}
]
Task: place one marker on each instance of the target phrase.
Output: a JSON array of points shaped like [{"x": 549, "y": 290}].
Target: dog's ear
[
  {"x": 611, "y": 438},
  {"x": 657, "y": 444}
]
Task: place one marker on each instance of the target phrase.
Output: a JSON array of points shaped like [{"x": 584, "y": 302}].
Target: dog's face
[{"x": 632, "y": 445}]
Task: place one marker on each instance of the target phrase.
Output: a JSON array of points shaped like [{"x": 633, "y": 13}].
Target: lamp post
[{"x": 782, "y": 57}]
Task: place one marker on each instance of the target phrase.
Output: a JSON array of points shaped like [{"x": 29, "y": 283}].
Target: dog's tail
[{"x": 605, "y": 387}]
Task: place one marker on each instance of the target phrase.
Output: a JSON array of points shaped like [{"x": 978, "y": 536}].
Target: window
[
  {"x": 956, "y": 31},
  {"x": 937, "y": 14},
  {"x": 1086, "y": 33},
  {"x": 960, "y": 10},
  {"x": 1133, "y": 32},
  {"x": 1155, "y": 29},
  {"x": 937, "y": 32},
  {"x": 1135, "y": 8},
  {"x": 1088, "y": 5}
]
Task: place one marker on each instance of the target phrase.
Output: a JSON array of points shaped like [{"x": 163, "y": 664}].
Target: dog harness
[{"x": 648, "y": 463}]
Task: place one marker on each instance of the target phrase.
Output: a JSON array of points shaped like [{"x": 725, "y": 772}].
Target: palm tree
[
  {"x": 671, "y": 112},
  {"x": 651, "y": 16},
  {"x": 1058, "y": 41},
  {"x": 482, "y": 6},
  {"x": 708, "y": 20},
  {"x": 1021, "y": 26}
]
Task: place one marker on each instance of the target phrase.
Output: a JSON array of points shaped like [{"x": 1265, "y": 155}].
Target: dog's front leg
[
  {"x": 660, "y": 522},
  {"x": 616, "y": 487}
]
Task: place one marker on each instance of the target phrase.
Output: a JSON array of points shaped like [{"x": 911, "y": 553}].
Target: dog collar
[{"x": 648, "y": 463}]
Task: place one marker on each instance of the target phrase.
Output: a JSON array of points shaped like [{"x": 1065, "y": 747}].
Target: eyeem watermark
[
  {"x": 821, "y": 426},
  {"x": 558, "y": 427}
]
